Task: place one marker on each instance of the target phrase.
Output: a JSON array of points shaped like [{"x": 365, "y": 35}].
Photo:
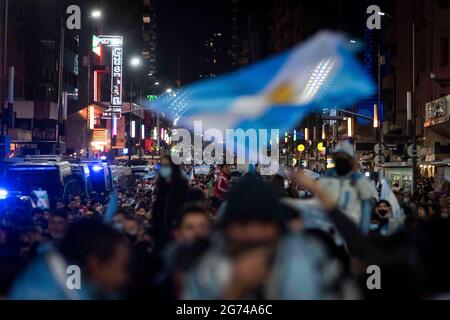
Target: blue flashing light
[
  {"x": 3, "y": 194},
  {"x": 33, "y": 169},
  {"x": 97, "y": 168}
]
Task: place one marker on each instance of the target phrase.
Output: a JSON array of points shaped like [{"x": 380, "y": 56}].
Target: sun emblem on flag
[{"x": 282, "y": 94}]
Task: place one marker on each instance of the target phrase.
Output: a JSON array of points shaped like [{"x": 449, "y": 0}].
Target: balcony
[{"x": 437, "y": 114}]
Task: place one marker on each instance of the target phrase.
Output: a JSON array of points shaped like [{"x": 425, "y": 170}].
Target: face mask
[
  {"x": 131, "y": 238},
  {"x": 342, "y": 166},
  {"x": 165, "y": 172},
  {"x": 383, "y": 213},
  {"x": 132, "y": 232},
  {"x": 118, "y": 226}
]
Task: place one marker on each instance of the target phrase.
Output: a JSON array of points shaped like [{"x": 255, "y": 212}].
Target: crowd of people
[{"x": 232, "y": 235}]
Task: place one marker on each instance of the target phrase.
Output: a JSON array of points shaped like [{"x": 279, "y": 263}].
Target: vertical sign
[
  {"x": 116, "y": 81},
  {"x": 116, "y": 45}
]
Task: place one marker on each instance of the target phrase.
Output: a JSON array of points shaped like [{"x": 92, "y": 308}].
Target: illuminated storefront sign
[
  {"x": 116, "y": 45},
  {"x": 116, "y": 81}
]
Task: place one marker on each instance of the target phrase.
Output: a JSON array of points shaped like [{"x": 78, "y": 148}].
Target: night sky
[{"x": 182, "y": 28}]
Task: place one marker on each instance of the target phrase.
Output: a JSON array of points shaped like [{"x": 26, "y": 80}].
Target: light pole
[
  {"x": 94, "y": 15},
  {"x": 411, "y": 98},
  {"x": 135, "y": 63},
  {"x": 2, "y": 94}
]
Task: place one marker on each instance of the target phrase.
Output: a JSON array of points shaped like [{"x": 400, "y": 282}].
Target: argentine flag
[
  {"x": 388, "y": 195},
  {"x": 276, "y": 93}
]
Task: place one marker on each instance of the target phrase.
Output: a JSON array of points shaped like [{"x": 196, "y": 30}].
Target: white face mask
[
  {"x": 118, "y": 226},
  {"x": 132, "y": 232},
  {"x": 165, "y": 172}
]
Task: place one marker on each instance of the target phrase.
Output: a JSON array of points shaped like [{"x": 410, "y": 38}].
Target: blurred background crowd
[{"x": 232, "y": 235}]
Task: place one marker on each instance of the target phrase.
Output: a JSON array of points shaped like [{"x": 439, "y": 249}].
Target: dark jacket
[{"x": 170, "y": 197}]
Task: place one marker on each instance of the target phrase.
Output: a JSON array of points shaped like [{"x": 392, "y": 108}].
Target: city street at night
[{"x": 186, "y": 151}]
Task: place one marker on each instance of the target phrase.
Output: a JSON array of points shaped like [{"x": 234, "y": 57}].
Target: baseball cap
[{"x": 344, "y": 147}]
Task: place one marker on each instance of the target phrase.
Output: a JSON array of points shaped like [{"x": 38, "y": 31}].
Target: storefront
[
  {"x": 438, "y": 170},
  {"x": 400, "y": 173}
]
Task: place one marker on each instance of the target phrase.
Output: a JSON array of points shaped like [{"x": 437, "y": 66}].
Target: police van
[
  {"x": 100, "y": 176},
  {"x": 122, "y": 176},
  {"x": 82, "y": 175},
  {"x": 39, "y": 174}
]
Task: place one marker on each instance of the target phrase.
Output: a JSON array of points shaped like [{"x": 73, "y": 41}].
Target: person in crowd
[
  {"x": 101, "y": 255},
  {"x": 278, "y": 183},
  {"x": 171, "y": 193},
  {"x": 191, "y": 230},
  {"x": 407, "y": 208},
  {"x": 349, "y": 188},
  {"x": 235, "y": 176},
  {"x": 60, "y": 204},
  {"x": 254, "y": 256},
  {"x": 133, "y": 228},
  {"x": 221, "y": 184},
  {"x": 380, "y": 219},
  {"x": 193, "y": 223},
  {"x": 57, "y": 225},
  {"x": 413, "y": 263}
]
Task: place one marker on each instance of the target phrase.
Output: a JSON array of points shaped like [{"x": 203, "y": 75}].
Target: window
[
  {"x": 444, "y": 51},
  {"x": 146, "y": 18}
]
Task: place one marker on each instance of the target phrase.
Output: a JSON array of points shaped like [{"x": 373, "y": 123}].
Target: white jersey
[{"x": 349, "y": 192}]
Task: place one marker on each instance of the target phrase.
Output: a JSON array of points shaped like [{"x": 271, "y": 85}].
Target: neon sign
[{"x": 116, "y": 45}]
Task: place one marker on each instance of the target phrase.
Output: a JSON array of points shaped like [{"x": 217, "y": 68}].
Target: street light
[
  {"x": 412, "y": 98},
  {"x": 157, "y": 83},
  {"x": 143, "y": 131},
  {"x": 133, "y": 129},
  {"x": 135, "y": 61},
  {"x": 349, "y": 127},
  {"x": 96, "y": 14}
]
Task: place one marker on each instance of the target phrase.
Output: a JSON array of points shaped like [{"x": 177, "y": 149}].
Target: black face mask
[
  {"x": 131, "y": 238},
  {"x": 383, "y": 214},
  {"x": 342, "y": 166}
]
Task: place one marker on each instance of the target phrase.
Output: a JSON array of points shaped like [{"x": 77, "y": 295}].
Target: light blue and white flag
[
  {"x": 42, "y": 199},
  {"x": 276, "y": 93},
  {"x": 388, "y": 195},
  {"x": 112, "y": 208}
]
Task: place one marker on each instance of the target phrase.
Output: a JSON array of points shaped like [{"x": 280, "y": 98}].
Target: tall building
[
  {"x": 213, "y": 56},
  {"x": 36, "y": 48},
  {"x": 252, "y": 28},
  {"x": 136, "y": 23},
  {"x": 429, "y": 21},
  {"x": 149, "y": 26}
]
